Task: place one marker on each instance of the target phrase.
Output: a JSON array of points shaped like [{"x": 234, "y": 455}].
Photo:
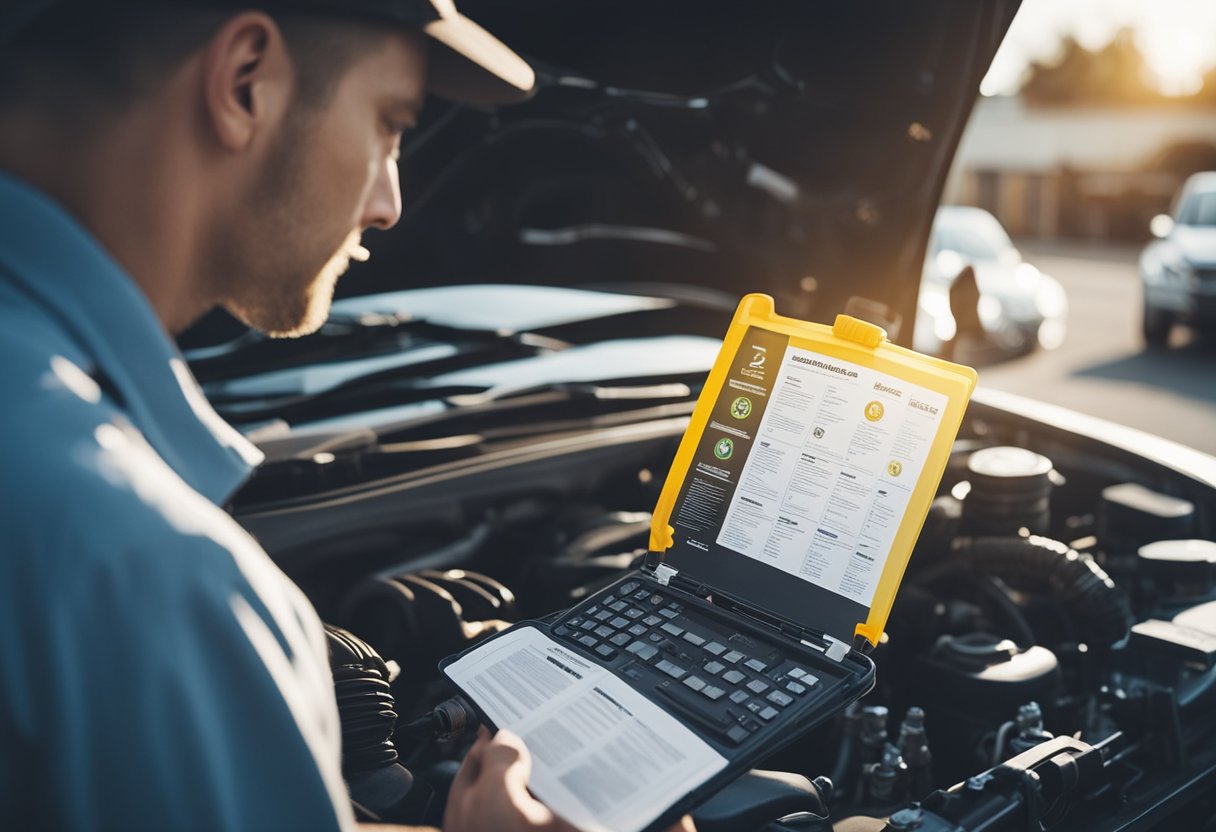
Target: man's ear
[{"x": 248, "y": 79}]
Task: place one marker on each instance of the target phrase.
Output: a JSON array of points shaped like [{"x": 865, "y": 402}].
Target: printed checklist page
[
  {"x": 604, "y": 756},
  {"x": 831, "y": 469}
]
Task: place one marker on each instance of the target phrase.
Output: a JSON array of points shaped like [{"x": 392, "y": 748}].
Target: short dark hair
[{"x": 96, "y": 56}]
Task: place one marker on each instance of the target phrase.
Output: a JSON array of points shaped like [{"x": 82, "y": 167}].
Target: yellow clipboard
[{"x": 868, "y": 379}]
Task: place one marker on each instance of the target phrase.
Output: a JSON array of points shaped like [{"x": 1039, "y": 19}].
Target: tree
[{"x": 1115, "y": 74}]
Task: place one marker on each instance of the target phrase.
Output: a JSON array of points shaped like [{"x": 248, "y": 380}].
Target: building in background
[{"x": 1087, "y": 149}]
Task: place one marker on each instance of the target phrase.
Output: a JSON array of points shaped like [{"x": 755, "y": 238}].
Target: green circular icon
[
  {"x": 724, "y": 448},
  {"x": 741, "y": 407}
]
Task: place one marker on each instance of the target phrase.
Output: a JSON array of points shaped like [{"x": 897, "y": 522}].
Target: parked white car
[
  {"x": 1019, "y": 307},
  {"x": 1178, "y": 270}
]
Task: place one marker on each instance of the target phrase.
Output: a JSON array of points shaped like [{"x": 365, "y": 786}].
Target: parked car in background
[
  {"x": 1019, "y": 308},
  {"x": 1178, "y": 269}
]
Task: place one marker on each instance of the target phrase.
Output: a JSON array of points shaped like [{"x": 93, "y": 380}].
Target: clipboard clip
[{"x": 858, "y": 331}]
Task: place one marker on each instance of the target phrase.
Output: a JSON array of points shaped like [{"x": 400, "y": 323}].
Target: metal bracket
[
  {"x": 837, "y": 649},
  {"x": 664, "y": 573}
]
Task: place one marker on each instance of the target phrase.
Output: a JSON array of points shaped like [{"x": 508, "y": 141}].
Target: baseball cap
[{"x": 467, "y": 64}]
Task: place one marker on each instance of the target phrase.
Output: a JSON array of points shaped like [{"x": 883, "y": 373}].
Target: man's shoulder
[{"x": 75, "y": 471}]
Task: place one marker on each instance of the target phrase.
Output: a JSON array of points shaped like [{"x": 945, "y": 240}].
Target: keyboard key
[
  {"x": 629, "y": 587},
  {"x": 794, "y": 687},
  {"x": 643, "y": 650},
  {"x": 634, "y": 613},
  {"x": 796, "y": 672},
  {"x": 603, "y": 631},
  {"x": 672, "y": 630},
  {"x": 610, "y": 599},
  {"x": 619, "y": 606},
  {"x": 589, "y": 624},
  {"x": 779, "y": 698},
  {"x": 637, "y": 630},
  {"x": 738, "y": 696},
  {"x": 737, "y": 734},
  {"x": 767, "y": 714},
  {"x": 641, "y": 595},
  {"x": 656, "y": 599},
  {"x": 668, "y": 613},
  {"x": 620, "y": 639},
  {"x": 651, "y": 620},
  {"x": 756, "y": 665},
  {"x": 810, "y": 680},
  {"x": 695, "y": 682},
  {"x": 606, "y": 651},
  {"x": 619, "y": 623},
  {"x": 712, "y": 692},
  {"x": 657, "y": 638},
  {"x": 589, "y": 641},
  {"x": 733, "y": 657},
  {"x": 715, "y": 649},
  {"x": 733, "y": 677},
  {"x": 714, "y": 667},
  {"x": 603, "y": 615},
  {"x": 694, "y": 639},
  {"x": 757, "y": 686},
  {"x": 575, "y": 621},
  {"x": 561, "y": 631},
  {"x": 672, "y": 670},
  {"x": 756, "y": 707}
]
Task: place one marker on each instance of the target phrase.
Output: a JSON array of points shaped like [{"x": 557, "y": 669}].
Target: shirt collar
[{"x": 57, "y": 262}]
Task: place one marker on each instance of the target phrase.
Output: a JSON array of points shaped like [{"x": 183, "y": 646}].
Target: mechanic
[{"x": 159, "y": 159}]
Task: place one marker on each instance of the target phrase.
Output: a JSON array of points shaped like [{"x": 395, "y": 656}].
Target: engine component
[
  {"x": 1047, "y": 567},
  {"x": 379, "y": 785},
  {"x": 418, "y": 621},
  {"x": 972, "y": 683},
  {"x": 481, "y": 598},
  {"x": 886, "y": 781},
  {"x": 1030, "y": 731},
  {"x": 914, "y": 748},
  {"x": 1010, "y": 490},
  {"x": 1130, "y": 515},
  {"x": 1182, "y": 568},
  {"x": 873, "y": 734}
]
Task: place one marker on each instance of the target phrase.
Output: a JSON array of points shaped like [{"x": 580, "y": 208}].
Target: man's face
[{"x": 331, "y": 174}]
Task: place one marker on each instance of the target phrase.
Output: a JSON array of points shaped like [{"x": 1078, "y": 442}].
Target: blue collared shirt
[{"x": 157, "y": 670}]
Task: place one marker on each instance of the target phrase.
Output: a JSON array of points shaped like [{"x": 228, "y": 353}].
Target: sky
[{"x": 1177, "y": 37}]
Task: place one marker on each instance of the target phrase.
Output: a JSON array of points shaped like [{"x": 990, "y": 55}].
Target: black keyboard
[{"x": 727, "y": 683}]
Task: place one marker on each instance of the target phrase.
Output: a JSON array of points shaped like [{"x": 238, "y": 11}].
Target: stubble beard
[{"x": 280, "y": 280}]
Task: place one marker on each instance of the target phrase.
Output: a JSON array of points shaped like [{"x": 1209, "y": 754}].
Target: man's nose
[{"x": 383, "y": 207}]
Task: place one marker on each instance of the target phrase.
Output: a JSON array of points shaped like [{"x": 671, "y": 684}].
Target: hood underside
[{"x": 700, "y": 150}]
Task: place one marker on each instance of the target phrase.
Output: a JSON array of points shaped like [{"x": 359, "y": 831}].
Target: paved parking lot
[{"x": 1103, "y": 368}]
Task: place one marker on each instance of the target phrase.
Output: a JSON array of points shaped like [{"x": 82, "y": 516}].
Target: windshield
[
  {"x": 973, "y": 233},
  {"x": 1198, "y": 209}
]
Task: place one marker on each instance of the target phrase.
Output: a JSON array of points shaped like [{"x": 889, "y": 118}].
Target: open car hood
[{"x": 795, "y": 148}]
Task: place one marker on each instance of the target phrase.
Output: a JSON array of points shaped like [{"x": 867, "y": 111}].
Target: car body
[
  {"x": 502, "y": 389},
  {"x": 1178, "y": 270},
  {"x": 1020, "y": 308}
]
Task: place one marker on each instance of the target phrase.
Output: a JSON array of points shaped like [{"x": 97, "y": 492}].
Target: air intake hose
[
  {"x": 1042, "y": 566},
  {"x": 365, "y": 702}
]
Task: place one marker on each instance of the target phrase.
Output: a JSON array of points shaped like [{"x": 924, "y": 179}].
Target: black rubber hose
[
  {"x": 365, "y": 702},
  {"x": 1042, "y": 566}
]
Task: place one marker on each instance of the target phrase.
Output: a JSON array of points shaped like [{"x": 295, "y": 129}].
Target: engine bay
[{"x": 1061, "y": 600}]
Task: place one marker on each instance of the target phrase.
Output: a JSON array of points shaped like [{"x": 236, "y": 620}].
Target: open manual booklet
[{"x": 777, "y": 546}]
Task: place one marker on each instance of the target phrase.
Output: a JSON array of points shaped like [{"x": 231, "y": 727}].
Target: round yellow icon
[
  {"x": 874, "y": 411},
  {"x": 895, "y": 468}
]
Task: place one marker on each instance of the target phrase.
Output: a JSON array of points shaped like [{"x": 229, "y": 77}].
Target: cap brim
[{"x": 471, "y": 66}]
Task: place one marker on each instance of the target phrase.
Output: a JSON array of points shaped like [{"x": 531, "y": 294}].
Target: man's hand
[{"x": 490, "y": 792}]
